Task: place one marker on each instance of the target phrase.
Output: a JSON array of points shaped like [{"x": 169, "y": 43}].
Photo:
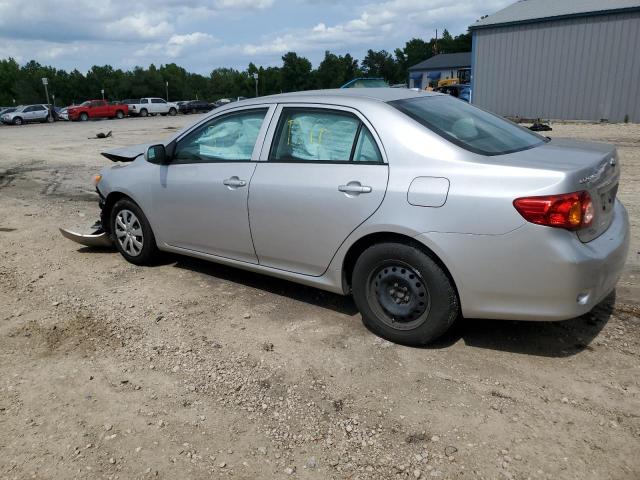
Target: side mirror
[{"x": 157, "y": 154}]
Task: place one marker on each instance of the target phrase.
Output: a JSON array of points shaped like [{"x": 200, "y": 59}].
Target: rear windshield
[{"x": 467, "y": 126}]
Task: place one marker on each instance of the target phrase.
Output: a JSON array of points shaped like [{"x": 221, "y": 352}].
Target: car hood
[{"x": 126, "y": 154}]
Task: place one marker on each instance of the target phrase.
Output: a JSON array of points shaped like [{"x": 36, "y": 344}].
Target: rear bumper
[{"x": 534, "y": 272}]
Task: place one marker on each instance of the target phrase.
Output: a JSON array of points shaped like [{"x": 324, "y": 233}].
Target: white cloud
[
  {"x": 394, "y": 19},
  {"x": 205, "y": 34}
]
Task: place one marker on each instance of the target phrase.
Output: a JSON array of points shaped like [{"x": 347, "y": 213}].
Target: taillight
[{"x": 572, "y": 211}]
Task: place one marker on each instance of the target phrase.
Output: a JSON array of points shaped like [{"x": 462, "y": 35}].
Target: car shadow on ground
[
  {"x": 547, "y": 339},
  {"x": 277, "y": 286}
]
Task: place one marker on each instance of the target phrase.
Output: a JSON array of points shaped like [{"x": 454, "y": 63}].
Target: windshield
[
  {"x": 467, "y": 126},
  {"x": 85, "y": 104}
]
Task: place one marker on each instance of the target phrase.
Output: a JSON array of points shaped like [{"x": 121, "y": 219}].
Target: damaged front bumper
[{"x": 99, "y": 238}]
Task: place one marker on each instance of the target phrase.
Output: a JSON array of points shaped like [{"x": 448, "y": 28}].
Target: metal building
[{"x": 559, "y": 59}]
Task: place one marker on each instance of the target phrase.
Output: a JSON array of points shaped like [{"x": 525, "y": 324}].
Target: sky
[{"x": 201, "y": 35}]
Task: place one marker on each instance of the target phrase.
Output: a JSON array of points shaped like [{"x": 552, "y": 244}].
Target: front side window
[
  {"x": 157, "y": 100},
  {"x": 230, "y": 138},
  {"x": 467, "y": 126},
  {"x": 320, "y": 135}
]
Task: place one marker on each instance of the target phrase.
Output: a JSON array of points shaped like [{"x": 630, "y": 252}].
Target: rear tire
[
  {"x": 403, "y": 295},
  {"x": 144, "y": 112},
  {"x": 119, "y": 114},
  {"x": 132, "y": 233}
]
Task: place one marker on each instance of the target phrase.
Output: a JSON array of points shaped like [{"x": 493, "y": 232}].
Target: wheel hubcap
[
  {"x": 399, "y": 295},
  {"x": 129, "y": 232}
]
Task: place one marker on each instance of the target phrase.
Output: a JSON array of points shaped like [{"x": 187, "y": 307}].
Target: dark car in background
[
  {"x": 195, "y": 106},
  {"x": 461, "y": 91}
]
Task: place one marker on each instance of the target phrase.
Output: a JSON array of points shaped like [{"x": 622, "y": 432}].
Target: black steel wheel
[
  {"x": 399, "y": 295},
  {"x": 403, "y": 294}
]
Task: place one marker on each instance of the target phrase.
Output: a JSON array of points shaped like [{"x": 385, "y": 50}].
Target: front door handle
[
  {"x": 234, "y": 182},
  {"x": 354, "y": 188}
]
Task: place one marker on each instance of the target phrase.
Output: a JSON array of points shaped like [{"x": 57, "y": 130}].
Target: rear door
[
  {"x": 158, "y": 105},
  {"x": 98, "y": 109},
  {"x": 38, "y": 112},
  {"x": 323, "y": 174}
]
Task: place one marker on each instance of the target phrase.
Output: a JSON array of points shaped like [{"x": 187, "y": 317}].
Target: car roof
[
  {"x": 382, "y": 94},
  {"x": 347, "y": 96}
]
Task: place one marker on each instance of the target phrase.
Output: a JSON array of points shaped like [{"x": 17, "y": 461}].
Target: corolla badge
[{"x": 598, "y": 173}]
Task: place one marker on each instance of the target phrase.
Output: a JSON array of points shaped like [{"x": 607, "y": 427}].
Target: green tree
[
  {"x": 382, "y": 64},
  {"x": 295, "y": 73},
  {"x": 336, "y": 70}
]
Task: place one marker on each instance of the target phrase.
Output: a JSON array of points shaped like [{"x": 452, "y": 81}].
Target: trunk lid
[{"x": 589, "y": 166}]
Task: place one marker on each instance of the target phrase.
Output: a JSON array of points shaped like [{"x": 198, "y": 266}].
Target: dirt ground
[{"x": 190, "y": 370}]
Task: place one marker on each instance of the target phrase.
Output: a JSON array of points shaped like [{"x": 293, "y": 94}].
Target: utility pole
[
  {"x": 255, "y": 77},
  {"x": 166, "y": 84},
  {"x": 102, "y": 92},
  {"x": 435, "y": 47}
]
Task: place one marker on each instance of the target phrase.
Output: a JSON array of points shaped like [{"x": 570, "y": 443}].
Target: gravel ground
[{"x": 190, "y": 370}]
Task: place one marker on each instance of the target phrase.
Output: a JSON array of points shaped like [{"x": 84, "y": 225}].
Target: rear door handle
[
  {"x": 354, "y": 188},
  {"x": 234, "y": 182}
]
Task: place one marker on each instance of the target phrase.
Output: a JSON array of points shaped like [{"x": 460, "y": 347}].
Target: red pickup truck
[{"x": 96, "y": 109}]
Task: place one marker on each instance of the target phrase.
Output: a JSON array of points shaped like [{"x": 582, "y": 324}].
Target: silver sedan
[{"x": 421, "y": 206}]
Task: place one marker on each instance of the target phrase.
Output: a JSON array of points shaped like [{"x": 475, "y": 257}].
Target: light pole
[
  {"x": 53, "y": 96},
  {"x": 255, "y": 77},
  {"x": 102, "y": 92},
  {"x": 166, "y": 85},
  {"x": 45, "y": 82}
]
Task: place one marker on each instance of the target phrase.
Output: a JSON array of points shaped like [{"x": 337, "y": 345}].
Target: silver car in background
[
  {"x": 27, "y": 114},
  {"x": 421, "y": 206}
]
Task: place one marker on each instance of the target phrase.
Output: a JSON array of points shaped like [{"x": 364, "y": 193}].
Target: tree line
[{"x": 23, "y": 83}]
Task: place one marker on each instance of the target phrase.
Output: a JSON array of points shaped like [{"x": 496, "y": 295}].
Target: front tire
[
  {"x": 119, "y": 114},
  {"x": 84, "y": 117},
  {"x": 17, "y": 121},
  {"x": 132, "y": 233},
  {"x": 173, "y": 112},
  {"x": 403, "y": 295}
]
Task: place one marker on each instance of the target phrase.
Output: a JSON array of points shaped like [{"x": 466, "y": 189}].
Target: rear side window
[
  {"x": 321, "y": 135},
  {"x": 157, "y": 100},
  {"x": 467, "y": 126}
]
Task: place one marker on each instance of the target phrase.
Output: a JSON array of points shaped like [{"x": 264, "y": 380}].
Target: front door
[
  {"x": 323, "y": 177},
  {"x": 200, "y": 198}
]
